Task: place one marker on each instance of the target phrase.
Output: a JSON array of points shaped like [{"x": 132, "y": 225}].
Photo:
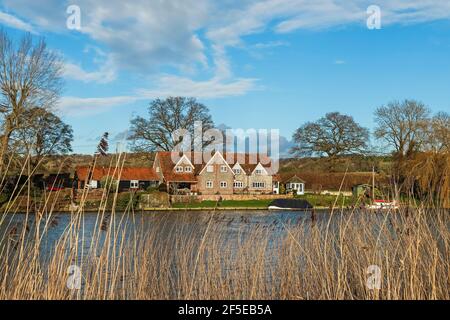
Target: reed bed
[{"x": 122, "y": 256}]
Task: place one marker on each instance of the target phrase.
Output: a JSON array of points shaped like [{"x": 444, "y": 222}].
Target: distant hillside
[{"x": 68, "y": 164}]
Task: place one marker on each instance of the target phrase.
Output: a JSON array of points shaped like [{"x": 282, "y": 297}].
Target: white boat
[
  {"x": 290, "y": 205},
  {"x": 384, "y": 205}
]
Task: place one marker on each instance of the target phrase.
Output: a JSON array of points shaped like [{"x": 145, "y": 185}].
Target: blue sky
[{"x": 271, "y": 64}]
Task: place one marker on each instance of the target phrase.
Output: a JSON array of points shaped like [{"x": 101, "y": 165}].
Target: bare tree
[
  {"x": 438, "y": 138},
  {"x": 42, "y": 133},
  {"x": 30, "y": 76},
  {"x": 165, "y": 117},
  {"x": 333, "y": 135},
  {"x": 403, "y": 125}
]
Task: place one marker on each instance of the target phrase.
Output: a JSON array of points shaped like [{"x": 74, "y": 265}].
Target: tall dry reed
[{"x": 130, "y": 255}]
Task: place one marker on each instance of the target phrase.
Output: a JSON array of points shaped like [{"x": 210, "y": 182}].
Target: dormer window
[
  {"x": 223, "y": 169},
  {"x": 258, "y": 172},
  {"x": 179, "y": 169},
  {"x": 188, "y": 169},
  {"x": 210, "y": 169},
  {"x": 237, "y": 171}
]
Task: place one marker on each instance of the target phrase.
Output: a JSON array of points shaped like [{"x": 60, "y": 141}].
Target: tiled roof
[
  {"x": 291, "y": 178},
  {"x": 168, "y": 166},
  {"x": 248, "y": 163},
  {"x": 125, "y": 174}
]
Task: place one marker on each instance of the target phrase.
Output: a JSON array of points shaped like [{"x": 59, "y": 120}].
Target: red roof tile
[
  {"x": 248, "y": 163},
  {"x": 124, "y": 174}
]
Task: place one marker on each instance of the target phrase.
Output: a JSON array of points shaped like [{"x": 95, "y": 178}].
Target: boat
[
  {"x": 383, "y": 205},
  {"x": 290, "y": 205}
]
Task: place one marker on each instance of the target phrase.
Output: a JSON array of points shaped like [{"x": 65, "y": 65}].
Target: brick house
[{"x": 222, "y": 174}]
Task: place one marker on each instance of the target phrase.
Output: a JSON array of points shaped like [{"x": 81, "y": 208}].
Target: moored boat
[{"x": 290, "y": 205}]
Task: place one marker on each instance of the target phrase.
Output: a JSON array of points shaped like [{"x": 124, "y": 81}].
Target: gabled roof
[
  {"x": 217, "y": 154},
  {"x": 293, "y": 178},
  {"x": 124, "y": 174},
  {"x": 167, "y": 168},
  {"x": 248, "y": 163}
]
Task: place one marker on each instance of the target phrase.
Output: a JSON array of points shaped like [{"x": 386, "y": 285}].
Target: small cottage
[
  {"x": 295, "y": 185},
  {"x": 130, "y": 178}
]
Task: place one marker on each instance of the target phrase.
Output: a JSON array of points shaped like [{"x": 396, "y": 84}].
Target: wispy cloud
[
  {"x": 76, "y": 106},
  {"x": 16, "y": 23},
  {"x": 105, "y": 74},
  {"x": 209, "y": 89}
]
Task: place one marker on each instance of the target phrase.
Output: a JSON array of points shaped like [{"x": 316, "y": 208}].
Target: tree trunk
[{"x": 4, "y": 147}]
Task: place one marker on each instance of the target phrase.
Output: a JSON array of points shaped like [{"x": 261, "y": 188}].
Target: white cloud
[
  {"x": 16, "y": 23},
  {"x": 76, "y": 106},
  {"x": 209, "y": 89},
  {"x": 105, "y": 74},
  {"x": 144, "y": 35}
]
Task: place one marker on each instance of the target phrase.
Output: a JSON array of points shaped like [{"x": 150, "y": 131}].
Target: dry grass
[{"x": 199, "y": 256}]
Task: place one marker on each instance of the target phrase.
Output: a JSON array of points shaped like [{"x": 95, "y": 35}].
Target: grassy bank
[{"x": 318, "y": 201}]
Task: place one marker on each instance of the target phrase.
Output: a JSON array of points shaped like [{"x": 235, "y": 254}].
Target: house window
[
  {"x": 209, "y": 184},
  {"x": 188, "y": 169},
  {"x": 134, "y": 184},
  {"x": 93, "y": 184},
  {"x": 210, "y": 169},
  {"x": 179, "y": 169},
  {"x": 157, "y": 169},
  {"x": 237, "y": 171},
  {"x": 258, "y": 172},
  {"x": 223, "y": 184},
  {"x": 238, "y": 184},
  {"x": 223, "y": 169},
  {"x": 259, "y": 185}
]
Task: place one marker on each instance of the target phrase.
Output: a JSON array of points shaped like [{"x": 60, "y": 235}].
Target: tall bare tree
[
  {"x": 333, "y": 135},
  {"x": 165, "y": 117},
  {"x": 403, "y": 125},
  {"x": 30, "y": 76},
  {"x": 438, "y": 138},
  {"x": 42, "y": 133}
]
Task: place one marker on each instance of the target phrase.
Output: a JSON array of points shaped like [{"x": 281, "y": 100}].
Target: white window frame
[
  {"x": 209, "y": 184},
  {"x": 223, "y": 169},
  {"x": 223, "y": 184},
  {"x": 134, "y": 184},
  {"x": 258, "y": 172},
  {"x": 237, "y": 171},
  {"x": 258, "y": 185},
  {"x": 238, "y": 185},
  {"x": 188, "y": 169},
  {"x": 210, "y": 169},
  {"x": 93, "y": 184},
  {"x": 179, "y": 169}
]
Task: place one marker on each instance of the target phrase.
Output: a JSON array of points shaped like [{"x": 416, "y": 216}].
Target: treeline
[
  {"x": 417, "y": 141},
  {"x": 30, "y": 86}
]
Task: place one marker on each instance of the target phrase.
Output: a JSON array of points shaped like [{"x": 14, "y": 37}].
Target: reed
[{"x": 128, "y": 255}]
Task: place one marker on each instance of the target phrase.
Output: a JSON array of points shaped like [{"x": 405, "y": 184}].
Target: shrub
[{"x": 162, "y": 187}]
